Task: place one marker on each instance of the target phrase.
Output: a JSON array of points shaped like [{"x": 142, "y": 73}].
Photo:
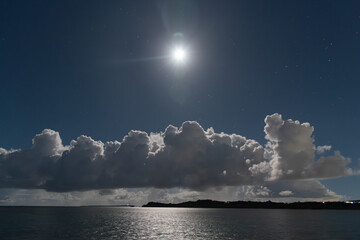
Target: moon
[{"x": 179, "y": 55}]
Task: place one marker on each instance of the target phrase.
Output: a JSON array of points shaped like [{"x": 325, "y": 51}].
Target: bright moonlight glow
[{"x": 179, "y": 55}]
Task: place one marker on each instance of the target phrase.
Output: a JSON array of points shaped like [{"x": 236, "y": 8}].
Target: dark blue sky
[{"x": 64, "y": 66}]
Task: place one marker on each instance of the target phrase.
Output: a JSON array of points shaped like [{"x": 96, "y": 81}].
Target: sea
[{"x": 176, "y": 223}]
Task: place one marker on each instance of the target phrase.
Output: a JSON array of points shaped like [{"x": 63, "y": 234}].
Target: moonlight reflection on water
[{"x": 176, "y": 223}]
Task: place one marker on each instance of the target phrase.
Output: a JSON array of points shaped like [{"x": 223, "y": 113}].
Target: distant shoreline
[
  {"x": 346, "y": 205},
  {"x": 349, "y": 205}
]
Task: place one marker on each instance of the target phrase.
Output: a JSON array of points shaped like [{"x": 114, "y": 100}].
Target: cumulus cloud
[
  {"x": 295, "y": 190},
  {"x": 188, "y": 157},
  {"x": 322, "y": 149},
  {"x": 254, "y": 192},
  {"x": 290, "y": 153},
  {"x": 286, "y": 193}
]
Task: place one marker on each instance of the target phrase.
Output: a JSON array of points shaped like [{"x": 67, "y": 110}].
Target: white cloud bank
[{"x": 188, "y": 157}]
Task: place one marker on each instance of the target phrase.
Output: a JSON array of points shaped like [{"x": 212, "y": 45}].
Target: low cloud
[
  {"x": 188, "y": 157},
  {"x": 322, "y": 149},
  {"x": 286, "y": 193},
  {"x": 302, "y": 190}
]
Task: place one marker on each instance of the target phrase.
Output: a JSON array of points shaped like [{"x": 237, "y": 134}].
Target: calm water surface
[{"x": 176, "y": 223}]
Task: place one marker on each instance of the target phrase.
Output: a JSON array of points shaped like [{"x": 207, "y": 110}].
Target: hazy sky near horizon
[{"x": 104, "y": 68}]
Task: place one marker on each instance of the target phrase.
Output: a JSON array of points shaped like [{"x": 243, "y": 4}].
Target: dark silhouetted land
[{"x": 350, "y": 205}]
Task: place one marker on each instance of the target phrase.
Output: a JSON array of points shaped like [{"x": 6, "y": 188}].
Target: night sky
[{"x": 104, "y": 68}]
